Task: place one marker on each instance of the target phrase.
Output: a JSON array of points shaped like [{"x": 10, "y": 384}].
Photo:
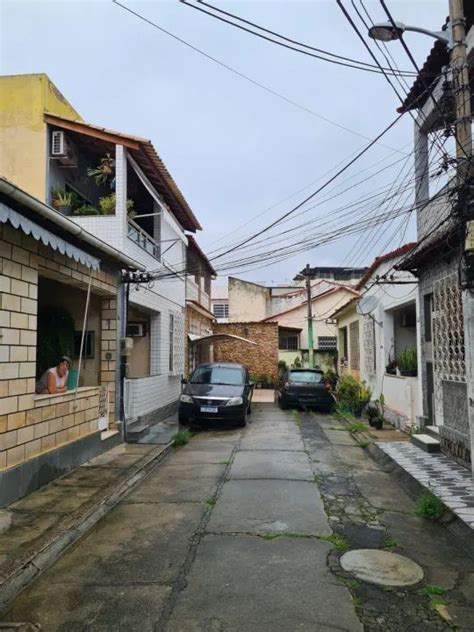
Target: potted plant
[
  {"x": 103, "y": 173},
  {"x": 86, "y": 209},
  {"x": 107, "y": 206},
  {"x": 62, "y": 200},
  {"x": 408, "y": 362}
]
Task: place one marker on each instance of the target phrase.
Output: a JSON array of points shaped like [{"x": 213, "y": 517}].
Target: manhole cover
[{"x": 380, "y": 567}]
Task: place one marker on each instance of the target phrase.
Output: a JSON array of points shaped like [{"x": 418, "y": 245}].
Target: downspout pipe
[{"x": 66, "y": 224}]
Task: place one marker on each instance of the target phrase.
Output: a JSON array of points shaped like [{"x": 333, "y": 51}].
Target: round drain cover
[{"x": 381, "y": 567}]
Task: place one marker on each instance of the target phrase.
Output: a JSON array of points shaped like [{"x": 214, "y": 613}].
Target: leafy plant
[
  {"x": 107, "y": 206},
  {"x": 104, "y": 171},
  {"x": 347, "y": 390},
  {"x": 297, "y": 362},
  {"x": 55, "y": 336},
  {"x": 430, "y": 507},
  {"x": 357, "y": 426},
  {"x": 330, "y": 379},
  {"x": 61, "y": 198},
  {"x": 87, "y": 209},
  {"x": 432, "y": 589},
  {"x": 365, "y": 392},
  {"x": 339, "y": 541},
  {"x": 407, "y": 360},
  {"x": 181, "y": 438},
  {"x": 390, "y": 543},
  {"x": 211, "y": 502}
]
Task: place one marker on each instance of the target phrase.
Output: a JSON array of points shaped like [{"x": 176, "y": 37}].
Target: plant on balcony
[
  {"x": 408, "y": 362},
  {"x": 104, "y": 172},
  {"x": 86, "y": 209},
  {"x": 107, "y": 206},
  {"x": 62, "y": 200}
]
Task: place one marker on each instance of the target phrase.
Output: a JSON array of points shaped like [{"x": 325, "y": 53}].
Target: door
[{"x": 430, "y": 392}]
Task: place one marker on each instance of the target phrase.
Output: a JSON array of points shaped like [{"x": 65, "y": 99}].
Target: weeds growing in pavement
[
  {"x": 430, "y": 507},
  {"x": 431, "y": 589},
  {"x": 350, "y": 583},
  {"x": 181, "y": 438},
  {"x": 283, "y": 534},
  {"x": 357, "y": 426},
  {"x": 390, "y": 543},
  {"x": 339, "y": 541},
  {"x": 364, "y": 444},
  {"x": 211, "y": 502}
]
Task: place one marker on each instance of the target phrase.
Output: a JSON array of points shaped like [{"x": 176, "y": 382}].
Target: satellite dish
[{"x": 366, "y": 305}]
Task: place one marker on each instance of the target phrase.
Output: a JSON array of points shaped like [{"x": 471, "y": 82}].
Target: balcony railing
[{"x": 143, "y": 239}]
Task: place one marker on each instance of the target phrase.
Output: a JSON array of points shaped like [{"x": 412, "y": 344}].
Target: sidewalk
[{"x": 37, "y": 529}]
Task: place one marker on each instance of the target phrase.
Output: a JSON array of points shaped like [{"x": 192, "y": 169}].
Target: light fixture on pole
[{"x": 387, "y": 32}]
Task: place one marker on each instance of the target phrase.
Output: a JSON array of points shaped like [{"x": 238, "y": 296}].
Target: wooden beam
[{"x": 87, "y": 130}]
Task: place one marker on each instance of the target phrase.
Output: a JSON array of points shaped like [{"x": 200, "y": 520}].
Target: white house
[{"x": 388, "y": 331}]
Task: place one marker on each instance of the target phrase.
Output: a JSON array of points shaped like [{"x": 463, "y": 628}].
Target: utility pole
[
  {"x": 310, "y": 317},
  {"x": 462, "y": 104}
]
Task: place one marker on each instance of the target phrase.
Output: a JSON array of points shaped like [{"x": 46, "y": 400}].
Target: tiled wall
[{"x": 28, "y": 425}]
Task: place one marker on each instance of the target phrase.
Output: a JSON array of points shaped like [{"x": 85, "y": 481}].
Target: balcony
[
  {"x": 192, "y": 290},
  {"x": 143, "y": 239}
]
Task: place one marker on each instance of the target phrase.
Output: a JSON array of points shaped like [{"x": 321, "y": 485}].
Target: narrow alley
[{"x": 242, "y": 530}]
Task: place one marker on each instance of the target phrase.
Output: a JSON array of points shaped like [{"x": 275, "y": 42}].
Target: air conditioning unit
[
  {"x": 62, "y": 149},
  {"x": 136, "y": 330}
]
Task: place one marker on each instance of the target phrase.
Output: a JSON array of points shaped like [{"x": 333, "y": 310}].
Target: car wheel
[
  {"x": 242, "y": 422},
  {"x": 183, "y": 419},
  {"x": 283, "y": 406},
  {"x": 249, "y": 409}
]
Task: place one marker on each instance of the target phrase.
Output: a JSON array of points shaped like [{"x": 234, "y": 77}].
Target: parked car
[
  {"x": 218, "y": 392},
  {"x": 304, "y": 387}
]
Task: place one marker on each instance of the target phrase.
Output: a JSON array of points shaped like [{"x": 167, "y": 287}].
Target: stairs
[
  {"x": 136, "y": 432},
  {"x": 428, "y": 441}
]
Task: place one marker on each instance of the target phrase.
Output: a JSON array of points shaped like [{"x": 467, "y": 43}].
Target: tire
[
  {"x": 283, "y": 406},
  {"x": 242, "y": 422},
  {"x": 249, "y": 409},
  {"x": 183, "y": 420}
]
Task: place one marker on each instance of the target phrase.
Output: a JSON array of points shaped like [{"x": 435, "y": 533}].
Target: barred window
[
  {"x": 288, "y": 341},
  {"x": 220, "y": 310},
  {"x": 327, "y": 343}
]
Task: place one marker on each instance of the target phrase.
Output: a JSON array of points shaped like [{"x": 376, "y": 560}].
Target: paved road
[{"x": 229, "y": 534}]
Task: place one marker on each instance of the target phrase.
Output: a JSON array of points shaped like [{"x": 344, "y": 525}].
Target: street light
[{"x": 387, "y": 32}]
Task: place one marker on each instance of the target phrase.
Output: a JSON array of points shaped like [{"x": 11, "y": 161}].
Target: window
[
  {"x": 218, "y": 375},
  {"x": 305, "y": 377},
  {"x": 171, "y": 358},
  {"x": 288, "y": 340},
  {"x": 327, "y": 343},
  {"x": 428, "y": 315},
  {"x": 220, "y": 310},
  {"x": 88, "y": 350}
]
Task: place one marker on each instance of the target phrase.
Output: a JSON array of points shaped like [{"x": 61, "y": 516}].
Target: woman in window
[{"x": 54, "y": 380}]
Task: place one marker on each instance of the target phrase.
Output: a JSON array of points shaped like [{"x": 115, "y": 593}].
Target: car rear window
[
  {"x": 306, "y": 376},
  {"x": 218, "y": 375}
]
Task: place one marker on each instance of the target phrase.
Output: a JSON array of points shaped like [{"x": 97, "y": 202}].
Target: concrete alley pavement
[{"x": 239, "y": 531}]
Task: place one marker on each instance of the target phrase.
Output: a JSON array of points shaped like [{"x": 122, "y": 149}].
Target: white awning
[
  {"x": 197, "y": 340},
  {"x": 46, "y": 237}
]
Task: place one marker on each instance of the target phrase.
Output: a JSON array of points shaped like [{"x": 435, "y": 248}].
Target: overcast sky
[{"x": 233, "y": 149}]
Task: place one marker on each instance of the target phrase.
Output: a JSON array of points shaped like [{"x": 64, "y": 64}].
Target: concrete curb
[{"x": 72, "y": 527}]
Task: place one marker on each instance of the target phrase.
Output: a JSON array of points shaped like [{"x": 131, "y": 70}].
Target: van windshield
[
  {"x": 218, "y": 375},
  {"x": 306, "y": 376}
]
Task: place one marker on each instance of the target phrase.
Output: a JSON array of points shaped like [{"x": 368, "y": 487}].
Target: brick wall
[
  {"x": 260, "y": 359},
  {"x": 31, "y": 424}
]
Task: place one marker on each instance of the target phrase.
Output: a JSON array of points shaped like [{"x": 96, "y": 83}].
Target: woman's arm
[{"x": 52, "y": 388}]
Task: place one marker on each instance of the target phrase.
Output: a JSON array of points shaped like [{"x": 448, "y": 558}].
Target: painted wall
[
  {"x": 247, "y": 301},
  {"x": 139, "y": 362},
  {"x": 23, "y": 101},
  {"x": 345, "y": 320}
]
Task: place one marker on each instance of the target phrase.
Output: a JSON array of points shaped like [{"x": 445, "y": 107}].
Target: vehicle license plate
[{"x": 208, "y": 409}]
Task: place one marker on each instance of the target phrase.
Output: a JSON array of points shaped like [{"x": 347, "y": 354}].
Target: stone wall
[
  {"x": 261, "y": 358},
  {"x": 31, "y": 424}
]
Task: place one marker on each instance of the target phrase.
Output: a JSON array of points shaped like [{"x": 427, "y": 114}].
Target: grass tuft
[
  {"x": 431, "y": 589},
  {"x": 430, "y": 507},
  {"x": 211, "y": 502},
  {"x": 338, "y": 541},
  {"x": 181, "y": 438},
  {"x": 283, "y": 534},
  {"x": 357, "y": 426},
  {"x": 350, "y": 583},
  {"x": 390, "y": 543}
]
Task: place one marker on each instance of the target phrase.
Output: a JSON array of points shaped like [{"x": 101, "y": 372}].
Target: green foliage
[
  {"x": 407, "y": 360},
  {"x": 107, "y": 205},
  {"x": 211, "y": 502},
  {"x": 339, "y": 541},
  {"x": 55, "y": 337},
  {"x": 430, "y": 507},
  {"x": 104, "y": 171},
  {"x": 297, "y": 362},
  {"x": 352, "y": 394},
  {"x": 432, "y": 589},
  {"x": 87, "y": 209},
  {"x": 181, "y": 438},
  {"x": 358, "y": 426},
  {"x": 390, "y": 543},
  {"x": 61, "y": 197},
  {"x": 330, "y": 377}
]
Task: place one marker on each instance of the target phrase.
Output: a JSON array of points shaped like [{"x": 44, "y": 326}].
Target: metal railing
[{"x": 143, "y": 239}]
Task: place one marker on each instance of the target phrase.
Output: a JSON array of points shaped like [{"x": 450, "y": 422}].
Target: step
[
  {"x": 426, "y": 442},
  {"x": 135, "y": 433},
  {"x": 433, "y": 431}
]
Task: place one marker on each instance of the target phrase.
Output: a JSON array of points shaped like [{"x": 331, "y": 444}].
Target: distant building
[
  {"x": 220, "y": 302},
  {"x": 350, "y": 276}
]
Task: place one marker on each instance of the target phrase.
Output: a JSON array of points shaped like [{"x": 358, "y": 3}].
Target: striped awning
[{"x": 39, "y": 233}]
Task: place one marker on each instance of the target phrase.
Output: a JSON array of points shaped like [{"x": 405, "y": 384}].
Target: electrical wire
[
  {"x": 304, "y": 48},
  {"x": 242, "y": 75}
]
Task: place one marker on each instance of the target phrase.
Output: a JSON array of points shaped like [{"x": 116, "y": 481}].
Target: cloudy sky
[{"x": 234, "y": 149}]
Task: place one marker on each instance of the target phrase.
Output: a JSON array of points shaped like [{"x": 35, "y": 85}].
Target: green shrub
[
  {"x": 407, "y": 360},
  {"x": 86, "y": 209},
  {"x": 181, "y": 438},
  {"x": 430, "y": 507}
]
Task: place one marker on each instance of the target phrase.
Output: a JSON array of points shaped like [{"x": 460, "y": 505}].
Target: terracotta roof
[
  {"x": 333, "y": 290},
  {"x": 193, "y": 243},
  {"x": 145, "y": 154},
  {"x": 386, "y": 257}
]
